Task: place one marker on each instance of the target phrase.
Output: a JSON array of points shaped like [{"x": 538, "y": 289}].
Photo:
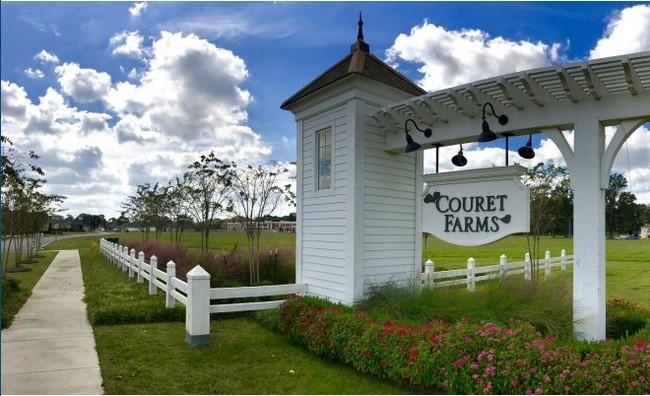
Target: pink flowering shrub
[{"x": 468, "y": 357}]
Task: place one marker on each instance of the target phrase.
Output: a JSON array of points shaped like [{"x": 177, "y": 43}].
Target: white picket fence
[
  {"x": 472, "y": 274},
  {"x": 196, "y": 293}
]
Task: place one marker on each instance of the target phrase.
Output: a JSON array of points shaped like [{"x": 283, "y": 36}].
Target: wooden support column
[{"x": 589, "y": 229}]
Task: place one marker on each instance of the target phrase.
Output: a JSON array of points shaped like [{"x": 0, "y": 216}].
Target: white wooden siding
[
  {"x": 324, "y": 224},
  {"x": 389, "y": 212}
]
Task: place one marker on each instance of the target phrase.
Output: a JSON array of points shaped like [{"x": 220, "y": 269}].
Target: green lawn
[
  {"x": 220, "y": 239},
  {"x": 242, "y": 358},
  {"x": 13, "y": 299},
  {"x": 153, "y": 358},
  {"x": 627, "y": 267},
  {"x": 628, "y": 261}
]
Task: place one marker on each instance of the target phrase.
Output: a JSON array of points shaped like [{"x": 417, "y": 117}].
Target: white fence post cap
[{"x": 198, "y": 273}]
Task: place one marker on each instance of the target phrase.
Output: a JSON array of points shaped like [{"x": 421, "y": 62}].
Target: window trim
[{"x": 317, "y": 157}]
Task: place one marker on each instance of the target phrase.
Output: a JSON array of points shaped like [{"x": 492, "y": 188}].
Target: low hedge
[{"x": 468, "y": 357}]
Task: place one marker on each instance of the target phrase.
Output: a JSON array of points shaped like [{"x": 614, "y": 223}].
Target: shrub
[
  {"x": 625, "y": 318},
  {"x": 13, "y": 297},
  {"x": 548, "y": 305},
  {"x": 467, "y": 357},
  {"x": 227, "y": 269}
]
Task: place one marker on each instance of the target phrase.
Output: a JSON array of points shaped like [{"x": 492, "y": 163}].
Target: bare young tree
[
  {"x": 147, "y": 208},
  {"x": 207, "y": 188},
  {"x": 543, "y": 180},
  {"x": 256, "y": 194},
  {"x": 177, "y": 208},
  {"x": 25, "y": 208}
]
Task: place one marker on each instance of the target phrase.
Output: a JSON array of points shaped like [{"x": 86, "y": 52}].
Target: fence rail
[
  {"x": 196, "y": 293},
  {"x": 472, "y": 274}
]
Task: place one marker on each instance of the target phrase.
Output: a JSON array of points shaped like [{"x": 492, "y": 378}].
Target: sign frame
[{"x": 499, "y": 205}]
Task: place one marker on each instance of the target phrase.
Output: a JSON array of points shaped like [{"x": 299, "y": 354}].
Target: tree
[
  {"x": 25, "y": 208},
  {"x": 92, "y": 221},
  {"x": 177, "y": 208},
  {"x": 562, "y": 206},
  {"x": 207, "y": 189},
  {"x": 547, "y": 183},
  {"x": 147, "y": 208},
  {"x": 617, "y": 185},
  {"x": 256, "y": 194}
]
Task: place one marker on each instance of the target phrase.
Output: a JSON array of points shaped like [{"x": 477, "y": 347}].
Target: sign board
[{"x": 476, "y": 207}]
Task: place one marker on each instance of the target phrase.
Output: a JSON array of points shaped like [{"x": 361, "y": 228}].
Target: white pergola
[{"x": 584, "y": 97}]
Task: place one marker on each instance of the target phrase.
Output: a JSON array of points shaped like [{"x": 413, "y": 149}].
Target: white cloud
[
  {"x": 83, "y": 85},
  {"x": 627, "y": 31},
  {"x": 450, "y": 57},
  {"x": 14, "y": 102},
  {"x": 52, "y": 116},
  {"x": 190, "y": 92},
  {"x": 127, "y": 43},
  {"x": 46, "y": 57},
  {"x": 34, "y": 73},
  {"x": 185, "y": 101},
  {"x": 138, "y": 8}
]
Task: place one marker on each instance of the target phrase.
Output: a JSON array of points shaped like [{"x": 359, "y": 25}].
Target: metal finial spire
[{"x": 360, "y": 23}]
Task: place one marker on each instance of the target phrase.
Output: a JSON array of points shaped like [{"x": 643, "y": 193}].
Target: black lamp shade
[
  {"x": 527, "y": 151},
  {"x": 487, "y": 135},
  {"x": 411, "y": 145},
  {"x": 459, "y": 159}
]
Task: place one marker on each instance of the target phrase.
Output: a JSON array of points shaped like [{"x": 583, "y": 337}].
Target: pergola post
[{"x": 589, "y": 229}]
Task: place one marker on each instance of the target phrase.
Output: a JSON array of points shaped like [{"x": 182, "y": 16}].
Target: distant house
[
  {"x": 645, "y": 232},
  {"x": 274, "y": 226}
]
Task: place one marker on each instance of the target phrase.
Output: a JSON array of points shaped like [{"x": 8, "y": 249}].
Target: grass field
[
  {"x": 243, "y": 356},
  {"x": 14, "y": 296},
  {"x": 628, "y": 261},
  {"x": 219, "y": 240},
  {"x": 153, "y": 358}
]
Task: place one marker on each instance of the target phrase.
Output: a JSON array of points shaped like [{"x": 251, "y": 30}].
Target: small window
[{"x": 324, "y": 158}]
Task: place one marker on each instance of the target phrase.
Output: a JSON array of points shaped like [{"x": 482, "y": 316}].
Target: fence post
[
  {"x": 563, "y": 260},
  {"x": 170, "y": 302},
  {"x": 130, "y": 263},
  {"x": 125, "y": 258},
  {"x": 547, "y": 264},
  {"x": 153, "y": 266},
  {"x": 471, "y": 283},
  {"x": 527, "y": 269},
  {"x": 140, "y": 262},
  {"x": 503, "y": 260},
  {"x": 429, "y": 267},
  {"x": 118, "y": 256},
  {"x": 197, "y": 312}
]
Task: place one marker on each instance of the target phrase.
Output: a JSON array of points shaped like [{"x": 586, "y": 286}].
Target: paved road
[
  {"x": 47, "y": 239},
  {"x": 50, "y": 346}
]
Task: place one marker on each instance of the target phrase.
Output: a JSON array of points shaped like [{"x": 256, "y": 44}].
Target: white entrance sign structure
[
  {"x": 584, "y": 97},
  {"x": 359, "y": 195},
  {"x": 476, "y": 207}
]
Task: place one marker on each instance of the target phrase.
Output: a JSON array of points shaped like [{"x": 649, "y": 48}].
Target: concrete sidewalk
[{"x": 50, "y": 347}]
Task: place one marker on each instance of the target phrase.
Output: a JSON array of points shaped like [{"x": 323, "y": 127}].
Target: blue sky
[{"x": 114, "y": 94}]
